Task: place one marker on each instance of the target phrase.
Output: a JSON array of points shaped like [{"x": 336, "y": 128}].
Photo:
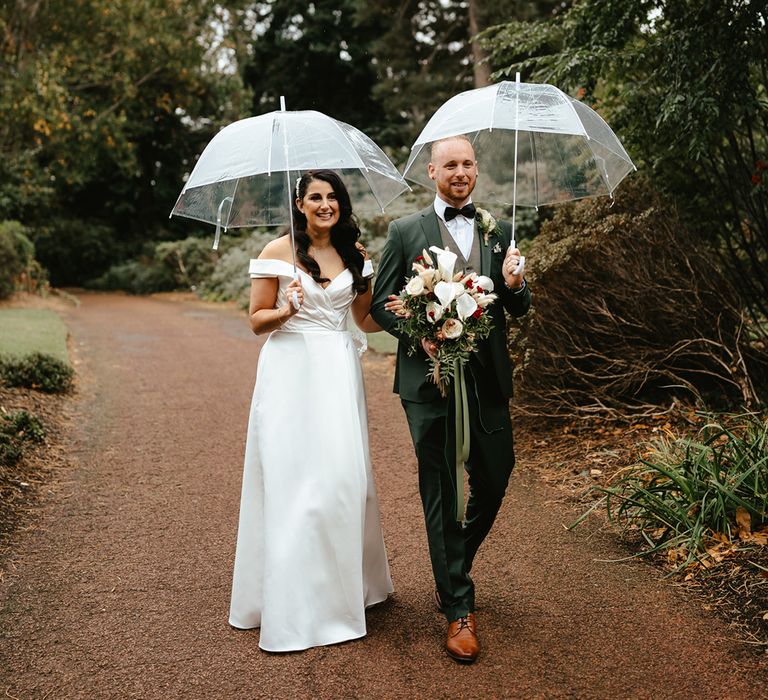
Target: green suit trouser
[{"x": 453, "y": 545}]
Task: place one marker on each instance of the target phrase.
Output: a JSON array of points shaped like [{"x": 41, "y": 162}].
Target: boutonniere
[{"x": 486, "y": 224}]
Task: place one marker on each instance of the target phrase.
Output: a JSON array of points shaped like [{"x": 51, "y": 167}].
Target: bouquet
[{"x": 448, "y": 309}]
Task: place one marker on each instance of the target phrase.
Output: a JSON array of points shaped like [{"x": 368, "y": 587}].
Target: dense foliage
[
  {"x": 18, "y": 267},
  {"x": 103, "y": 105},
  {"x": 629, "y": 312},
  {"x": 684, "y": 84},
  {"x": 384, "y": 67}
]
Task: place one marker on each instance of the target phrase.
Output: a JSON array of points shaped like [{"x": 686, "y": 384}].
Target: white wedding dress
[{"x": 310, "y": 552}]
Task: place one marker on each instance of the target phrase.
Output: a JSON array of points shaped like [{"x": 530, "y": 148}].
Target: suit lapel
[
  {"x": 430, "y": 227},
  {"x": 485, "y": 252}
]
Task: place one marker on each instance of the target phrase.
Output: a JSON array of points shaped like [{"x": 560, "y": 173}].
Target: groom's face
[{"x": 454, "y": 170}]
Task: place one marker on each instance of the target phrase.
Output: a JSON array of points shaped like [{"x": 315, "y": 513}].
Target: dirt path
[{"x": 123, "y": 591}]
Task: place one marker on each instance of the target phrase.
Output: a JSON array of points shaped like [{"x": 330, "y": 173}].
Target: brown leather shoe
[{"x": 462, "y": 643}]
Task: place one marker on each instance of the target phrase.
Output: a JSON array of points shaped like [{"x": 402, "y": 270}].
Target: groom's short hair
[{"x": 457, "y": 137}]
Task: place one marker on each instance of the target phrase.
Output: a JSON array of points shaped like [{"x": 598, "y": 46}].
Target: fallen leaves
[{"x": 744, "y": 523}]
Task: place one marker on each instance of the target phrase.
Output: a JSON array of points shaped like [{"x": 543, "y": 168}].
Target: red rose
[
  {"x": 431, "y": 314},
  {"x": 478, "y": 313},
  {"x": 419, "y": 258},
  {"x": 469, "y": 284}
]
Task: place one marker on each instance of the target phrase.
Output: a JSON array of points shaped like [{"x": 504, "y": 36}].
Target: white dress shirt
[{"x": 461, "y": 228}]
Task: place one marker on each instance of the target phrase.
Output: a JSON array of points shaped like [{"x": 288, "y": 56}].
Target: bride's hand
[
  {"x": 395, "y": 306},
  {"x": 289, "y": 309},
  {"x": 362, "y": 249}
]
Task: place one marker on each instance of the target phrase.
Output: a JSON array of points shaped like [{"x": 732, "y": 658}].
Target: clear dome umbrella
[
  {"x": 534, "y": 145},
  {"x": 247, "y": 173}
]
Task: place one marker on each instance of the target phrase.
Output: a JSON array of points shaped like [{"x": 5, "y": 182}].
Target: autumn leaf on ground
[
  {"x": 759, "y": 537},
  {"x": 744, "y": 523}
]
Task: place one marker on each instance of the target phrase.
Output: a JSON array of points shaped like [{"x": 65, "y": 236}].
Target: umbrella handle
[
  {"x": 218, "y": 220},
  {"x": 295, "y": 299},
  {"x": 521, "y": 265}
]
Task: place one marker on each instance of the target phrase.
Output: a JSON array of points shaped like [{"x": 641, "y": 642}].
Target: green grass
[
  {"x": 690, "y": 490},
  {"x": 382, "y": 342},
  {"x": 26, "y": 331}
]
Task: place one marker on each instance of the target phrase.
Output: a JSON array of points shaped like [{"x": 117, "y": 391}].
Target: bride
[{"x": 310, "y": 553}]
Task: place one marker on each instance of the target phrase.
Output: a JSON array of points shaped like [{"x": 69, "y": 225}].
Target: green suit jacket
[{"x": 491, "y": 367}]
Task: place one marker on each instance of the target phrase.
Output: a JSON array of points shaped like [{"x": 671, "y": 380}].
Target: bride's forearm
[
  {"x": 368, "y": 325},
  {"x": 268, "y": 320},
  {"x": 361, "y": 313}
]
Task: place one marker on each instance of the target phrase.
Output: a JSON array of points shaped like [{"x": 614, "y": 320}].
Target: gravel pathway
[{"x": 123, "y": 589}]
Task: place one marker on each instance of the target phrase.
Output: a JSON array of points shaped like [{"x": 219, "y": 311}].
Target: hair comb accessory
[{"x": 298, "y": 180}]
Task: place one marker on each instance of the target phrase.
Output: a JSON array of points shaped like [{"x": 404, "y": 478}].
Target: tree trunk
[{"x": 481, "y": 69}]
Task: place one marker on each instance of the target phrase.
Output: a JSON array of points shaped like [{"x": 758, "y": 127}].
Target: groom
[{"x": 450, "y": 221}]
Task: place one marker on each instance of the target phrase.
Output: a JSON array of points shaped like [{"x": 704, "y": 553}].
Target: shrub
[
  {"x": 629, "y": 310},
  {"x": 37, "y": 371},
  {"x": 74, "y": 250},
  {"x": 25, "y": 426},
  {"x": 164, "y": 267},
  {"x": 690, "y": 494},
  {"x": 17, "y": 257},
  {"x": 229, "y": 279},
  {"x": 190, "y": 260},
  {"x": 16, "y": 429},
  {"x": 10, "y": 450},
  {"x": 143, "y": 276}
]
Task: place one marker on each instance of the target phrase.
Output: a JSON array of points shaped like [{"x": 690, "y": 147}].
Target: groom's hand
[
  {"x": 511, "y": 263},
  {"x": 429, "y": 347}
]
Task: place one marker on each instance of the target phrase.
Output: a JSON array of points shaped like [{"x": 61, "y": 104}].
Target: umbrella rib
[
  {"x": 624, "y": 156},
  {"x": 269, "y": 148},
  {"x": 346, "y": 140},
  {"x": 493, "y": 108},
  {"x": 576, "y": 114},
  {"x": 535, "y": 169}
]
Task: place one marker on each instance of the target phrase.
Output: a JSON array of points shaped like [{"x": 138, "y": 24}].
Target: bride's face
[{"x": 320, "y": 206}]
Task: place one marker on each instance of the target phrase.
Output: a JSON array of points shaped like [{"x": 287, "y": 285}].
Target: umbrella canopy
[
  {"x": 534, "y": 145},
  {"x": 246, "y": 174}
]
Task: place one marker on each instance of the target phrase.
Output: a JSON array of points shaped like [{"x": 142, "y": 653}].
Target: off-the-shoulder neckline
[{"x": 304, "y": 272}]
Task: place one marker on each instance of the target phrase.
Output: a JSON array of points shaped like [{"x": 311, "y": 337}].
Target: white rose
[
  {"x": 485, "y": 283},
  {"x": 452, "y": 328},
  {"x": 415, "y": 286},
  {"x": 434, "y": 311}
]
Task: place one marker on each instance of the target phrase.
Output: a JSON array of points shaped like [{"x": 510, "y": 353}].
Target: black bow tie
[{"x": 467, "y": 210}]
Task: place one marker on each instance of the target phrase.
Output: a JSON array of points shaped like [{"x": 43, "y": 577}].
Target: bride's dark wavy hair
[{"x": 344, "y": 234}]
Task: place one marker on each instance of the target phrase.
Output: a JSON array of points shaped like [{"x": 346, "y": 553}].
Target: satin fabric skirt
[{"x": 310, "y": 553}]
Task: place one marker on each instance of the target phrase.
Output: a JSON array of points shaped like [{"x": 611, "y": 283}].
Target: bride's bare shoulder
[{"x": 279, "y": 249}]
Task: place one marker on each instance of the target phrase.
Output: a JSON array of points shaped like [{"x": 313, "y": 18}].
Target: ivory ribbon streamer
[{"x": 461, "y": 410}]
